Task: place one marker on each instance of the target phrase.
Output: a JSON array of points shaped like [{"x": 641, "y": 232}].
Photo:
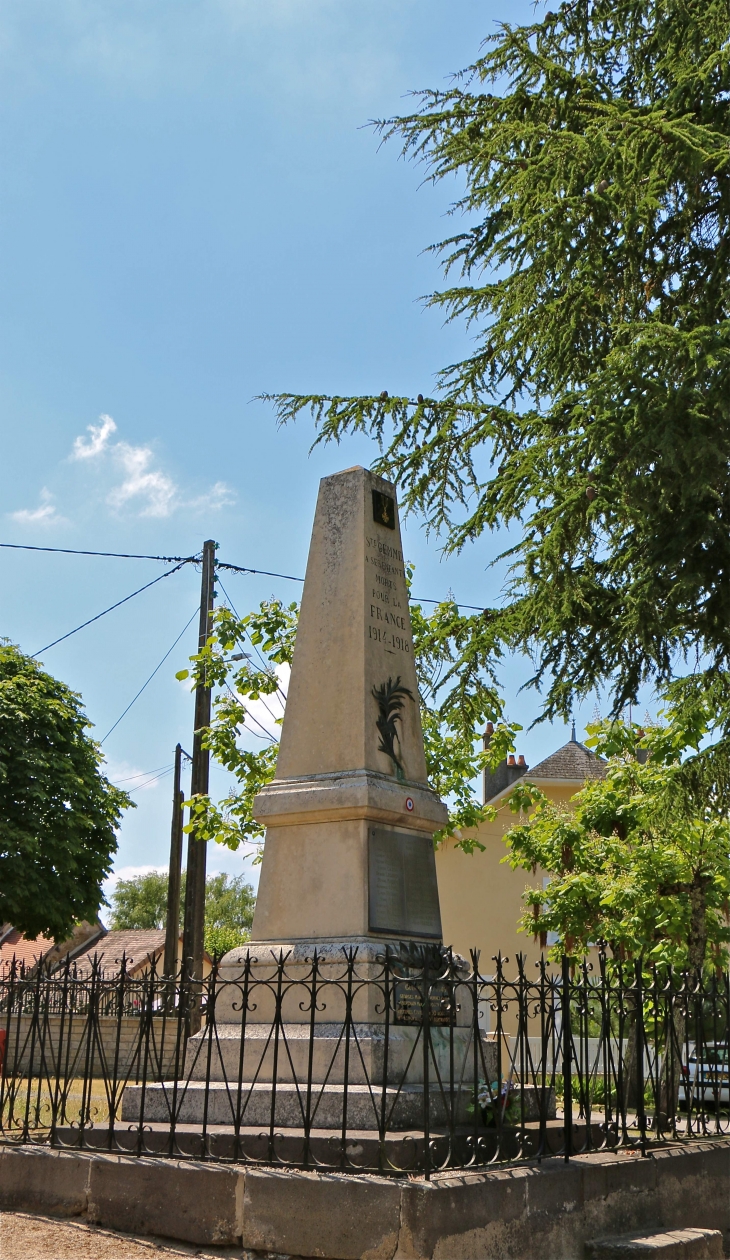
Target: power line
[
  {"x": 421, "y": 599},
  {"x": 142, "y": 775},
  {"x": 112, "y": 607},
  {"x": 149, "y": 680},
  {"x": 158, "y": 770},
  {"x": 249, "y": 714},
  {"x": 219, "y": 564},
  {"x": 119, "y": 555},
  {"x": 155, "y": 779},
  {"x": 237, "y": 568}
]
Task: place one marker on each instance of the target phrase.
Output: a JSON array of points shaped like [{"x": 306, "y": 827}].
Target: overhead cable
[
  {"x": 143, "y": 774},
  {"x": 156, "y": 779},
  {"x": 149, "y": 680},
  {"x": 119, "y": 555},
  {"x": 237, "y": 568},
  {"x": 267, "y": 734},
  {"x": 421, "y": 599},
  {"x": 111, "y": 608},
  {"x": 219, "y": 564}
]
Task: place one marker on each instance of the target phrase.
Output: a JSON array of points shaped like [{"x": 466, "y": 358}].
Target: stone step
[
  {"x": 671, "y": 1244},
  {"x": 402, "y": 1148},
  {"x": 294, "y": 1053},
  {"x": 404, "y": 1107}
]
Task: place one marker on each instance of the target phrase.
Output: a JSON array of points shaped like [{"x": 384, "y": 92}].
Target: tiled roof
[
  {"x": 572, "y": 761},
  {"x": 26, "y": 953},
  {"x": 135, "y": 944}
]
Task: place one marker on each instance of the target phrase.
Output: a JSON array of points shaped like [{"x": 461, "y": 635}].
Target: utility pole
[
  {"x": 172, "y": 933},
  {"x": 194, "y": 923}
]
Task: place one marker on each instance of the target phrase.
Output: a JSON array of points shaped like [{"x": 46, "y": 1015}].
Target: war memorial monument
[{"x": 348, "y": 898}]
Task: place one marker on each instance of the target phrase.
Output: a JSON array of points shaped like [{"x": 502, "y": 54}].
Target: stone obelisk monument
[
  {"x": 348, "y": 874},
  {"x": 349, "y": 816}
]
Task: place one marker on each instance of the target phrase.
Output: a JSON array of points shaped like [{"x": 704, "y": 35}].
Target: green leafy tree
[
  {"x": 58, "y": 813},
  {"x": 141, "y": 902},
  {"x": 229, "y": 907},
  {"x": 638, "y": 862},
  {"x": 457, "y": 697},
  {"x": 592, "y": 266}
]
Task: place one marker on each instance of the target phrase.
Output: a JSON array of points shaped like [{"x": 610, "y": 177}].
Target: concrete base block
[
  {"x": 675, "y": 1244},
  {"x": 33, "y": 1175},
  {"x": 317, "y": 1214},
  {"x": 677, "y": 1197},
  {"x": 197, "y": 1203}
]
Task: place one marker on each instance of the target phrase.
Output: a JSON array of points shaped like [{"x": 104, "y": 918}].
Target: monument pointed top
[{"x": 353, "y": 694}]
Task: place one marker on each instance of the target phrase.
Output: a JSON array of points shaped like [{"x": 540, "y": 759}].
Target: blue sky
[{"x": 193, "y": 210}]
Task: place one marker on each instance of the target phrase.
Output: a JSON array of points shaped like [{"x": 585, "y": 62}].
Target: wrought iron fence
[{"x": 405, "y": 1062}]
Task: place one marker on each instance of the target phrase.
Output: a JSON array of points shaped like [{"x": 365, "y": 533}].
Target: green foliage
[
  {"x": 639, "y": 862},
  {"x": 457, "y": 699},
  {"x": 141, "y": 902},
  {"x": 58, "y": 813},
  {"x": 218, "y": 940},
  {"x": 229, "y": 903},
  {"x": 593, "y": 1091},
  {"x": 593, "y": 268},
  {"x": 229, "y": 907},
  {"x": 241, "y": 677},
  {"x": 455, "y": 657}
]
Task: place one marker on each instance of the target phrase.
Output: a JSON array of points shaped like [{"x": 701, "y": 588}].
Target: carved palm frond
[{"x": 390, "y": 697}]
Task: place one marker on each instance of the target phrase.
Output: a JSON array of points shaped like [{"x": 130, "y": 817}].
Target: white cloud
[
  {"x": 45, "y": 514},
  {"x": 124, "y": 872},
  {"x": 130, "y": 872},
  {"x": 98, "y": 442},
  {"x": 153, "y": 491},
  {"x": 219, "y": 496}
]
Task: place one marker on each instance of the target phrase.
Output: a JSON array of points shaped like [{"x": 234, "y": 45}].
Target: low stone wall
[
  {"x": 549, "y": 1211},
  {"x": 111, "y": 1042}
]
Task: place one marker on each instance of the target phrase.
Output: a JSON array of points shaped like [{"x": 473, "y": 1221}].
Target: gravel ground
[{"x": 25, "y": 1237}]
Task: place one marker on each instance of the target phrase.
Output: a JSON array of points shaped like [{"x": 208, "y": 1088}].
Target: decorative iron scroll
[{"x": 307, "y": 1063}]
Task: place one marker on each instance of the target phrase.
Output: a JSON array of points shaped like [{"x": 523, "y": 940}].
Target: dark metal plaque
[
  {"x": 383, "y": 509},
  {"x": 404, "y": 899},
  {"x": 409, "y": 1002}
]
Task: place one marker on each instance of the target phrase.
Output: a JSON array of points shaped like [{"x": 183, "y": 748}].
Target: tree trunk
[
  {"x": 629, "y": 1095},
  {"x": 677, "y": 1024}
]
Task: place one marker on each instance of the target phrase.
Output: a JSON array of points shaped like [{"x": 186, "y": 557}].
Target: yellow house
[{"x": 481, "y": 898}]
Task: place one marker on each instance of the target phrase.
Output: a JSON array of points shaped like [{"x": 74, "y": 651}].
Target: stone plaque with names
[{"x": 403, "y": 890}]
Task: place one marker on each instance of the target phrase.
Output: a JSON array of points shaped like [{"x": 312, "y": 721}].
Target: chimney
[{"x": 506, "y": 773}]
